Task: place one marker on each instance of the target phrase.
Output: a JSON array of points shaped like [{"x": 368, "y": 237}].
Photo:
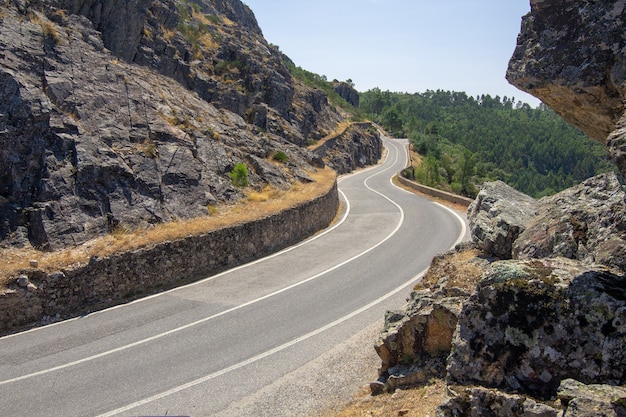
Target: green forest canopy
[{"x": 466, "y": 141}]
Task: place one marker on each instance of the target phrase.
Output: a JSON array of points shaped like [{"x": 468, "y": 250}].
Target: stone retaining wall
[
  {"x": 433, "y": 192},
  {"x": 119, "y": 278}
]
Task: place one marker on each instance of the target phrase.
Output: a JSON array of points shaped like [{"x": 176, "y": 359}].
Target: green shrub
[
  {"x": 281, "y": 157},
  {"x": 239, "y": 175}
]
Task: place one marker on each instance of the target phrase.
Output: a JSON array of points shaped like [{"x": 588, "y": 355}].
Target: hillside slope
[{"x": 119, "y": 114}]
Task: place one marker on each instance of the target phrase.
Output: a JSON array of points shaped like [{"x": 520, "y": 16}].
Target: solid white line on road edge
[
  {"x": 211, "y": 278},
  {"x": 461, "y": 221},
  {"x": 230, "y": 310},
  {"x": 454, "y": 213},
  {"x": 304, "y": 242},
  {"x": 294, "y": 341},
  {"x": 264, "y": 354}
]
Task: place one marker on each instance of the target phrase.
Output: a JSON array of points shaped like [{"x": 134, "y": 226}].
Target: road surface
[{"x": 195, "y": 350}]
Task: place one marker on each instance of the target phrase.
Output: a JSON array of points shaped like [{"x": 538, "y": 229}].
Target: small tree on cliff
[{"x": 239, "y": 175}]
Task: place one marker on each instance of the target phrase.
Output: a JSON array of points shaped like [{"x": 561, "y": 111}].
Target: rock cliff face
[
  {"x": 513, "y": 319},
  {"x": 358, "y": 146},
  {"x": 347, "y": 92},
  {"x": 572, "y": 55},
  {"x": 533, "y": 310},
  {"x": 122, "y": 114}
]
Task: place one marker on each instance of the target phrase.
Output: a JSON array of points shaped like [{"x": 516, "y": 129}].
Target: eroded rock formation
[
  {"x": 586, "y": 222},
  {"x": 119, "y": 114},
  {"x": 498, "y": 216},
  {"x": 358, "y": 146},
  {"x": 510, "y": 332},
  {"x": 572, "y": 55}
]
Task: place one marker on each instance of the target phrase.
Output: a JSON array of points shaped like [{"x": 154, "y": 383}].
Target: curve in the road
[
  {"x": 279, "y": 348},
  {"x": 240, "y": 306}
]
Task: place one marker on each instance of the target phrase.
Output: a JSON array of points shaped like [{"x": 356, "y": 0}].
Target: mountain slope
[{"x": 118, "y": 114}]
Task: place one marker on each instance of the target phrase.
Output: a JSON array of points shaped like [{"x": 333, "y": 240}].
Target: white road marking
[
  {"x": 230, "y": 310},
  {"x": 305, "y": 336},
  {"x": 264, "y": 354},
  {"x": 279, "y": 348}
]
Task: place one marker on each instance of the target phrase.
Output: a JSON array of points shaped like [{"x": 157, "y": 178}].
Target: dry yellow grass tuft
[
  {"x": 420, "y": 401},
  {"x": 256, "y": 205},
  {"x": 340, "y": 129},
  {"x": 268, "y": 193},
  {"x": 458, "y": 267},
  {"x": 208, "y": 42},
  {"x": 50, "y": 31}
]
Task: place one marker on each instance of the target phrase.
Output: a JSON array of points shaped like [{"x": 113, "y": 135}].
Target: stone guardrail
[
  {"x": 433, "y": 192},
  {"x": 122, "y": 277}
]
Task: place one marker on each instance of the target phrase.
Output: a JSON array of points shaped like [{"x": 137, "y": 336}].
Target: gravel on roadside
[{"x": 326, "y": 383}]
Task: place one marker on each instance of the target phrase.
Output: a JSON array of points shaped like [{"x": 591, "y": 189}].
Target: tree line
[{"x": 464, "y": 141}]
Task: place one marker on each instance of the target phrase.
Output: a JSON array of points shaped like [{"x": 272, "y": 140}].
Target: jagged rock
[
  {"x": 481, "y": 401},
  {"x": 414, "y": 342},
  {"x": 347, "y": 92},
  {"x": 586, "y": 222},
  {"x": 498, "y": 216},
  {"x": 580, "y": 400},
  {"x": 571, "y": 54},
  {"x": 357, "y": 147},
  {"x": 114, "y": 116},
  {"x": 424, "y": 331},
  {"x": 531, "y": 324},
  {"x": 22, "y": 281}
]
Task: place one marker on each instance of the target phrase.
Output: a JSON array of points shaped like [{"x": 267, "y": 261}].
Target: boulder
[
  {"x": 586, "y": 222},
  {"x": 414, "y": 342},
  {"x": 498, "y": 216},
  {"x": 481, "y": 401},
  {"x": 571, "y": 54},
  {"x": 347, "y": 92},
  {"x": 531, "y": 324},
  {"x": 580, "y": 400}
]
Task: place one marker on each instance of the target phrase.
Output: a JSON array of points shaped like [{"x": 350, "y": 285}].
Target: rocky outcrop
[
  {"x": 574, "y": 399},
  {"x": 586, "y": 222},
  {"x": 120, "y": 114},
  {"x": 358, "y": 146},
  {"x": 519, "y": 327},
  {"x": 498, "y": 216},
  {"x": 531, "y": 324},
  {"x": 582, "y": 400},
  {"x": 415, "y": 342},
  {"x": 347, "y": 92},
  {"x": 572, "y": 55}
]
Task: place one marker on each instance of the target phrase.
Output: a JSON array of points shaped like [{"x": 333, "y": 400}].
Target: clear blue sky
[{"x": 400, "y": 45}]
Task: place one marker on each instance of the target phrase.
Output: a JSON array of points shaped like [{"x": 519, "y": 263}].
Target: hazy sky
[{"x": 400, "y": 45}]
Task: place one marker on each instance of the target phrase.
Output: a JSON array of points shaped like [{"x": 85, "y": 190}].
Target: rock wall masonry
[{"x": 103, "y": 282}]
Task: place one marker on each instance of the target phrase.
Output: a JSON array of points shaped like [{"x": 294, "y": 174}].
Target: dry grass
[
  {"x": 208, "y": 42},
  {"x": 458, "y": 267},
  {"x": 50, "y": 31},
  {"x": 340, "y": 129},
  {"x": 227, "y": 21},
  {"x": 257, "y": 205},
  {"x": 420, "y": 401}
]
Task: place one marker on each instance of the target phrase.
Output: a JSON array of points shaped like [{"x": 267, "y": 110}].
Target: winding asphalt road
[{"x": 194, "y": 350}]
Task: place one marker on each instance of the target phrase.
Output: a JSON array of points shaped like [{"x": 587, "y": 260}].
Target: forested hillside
[{"x": 467, "y": 140}]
